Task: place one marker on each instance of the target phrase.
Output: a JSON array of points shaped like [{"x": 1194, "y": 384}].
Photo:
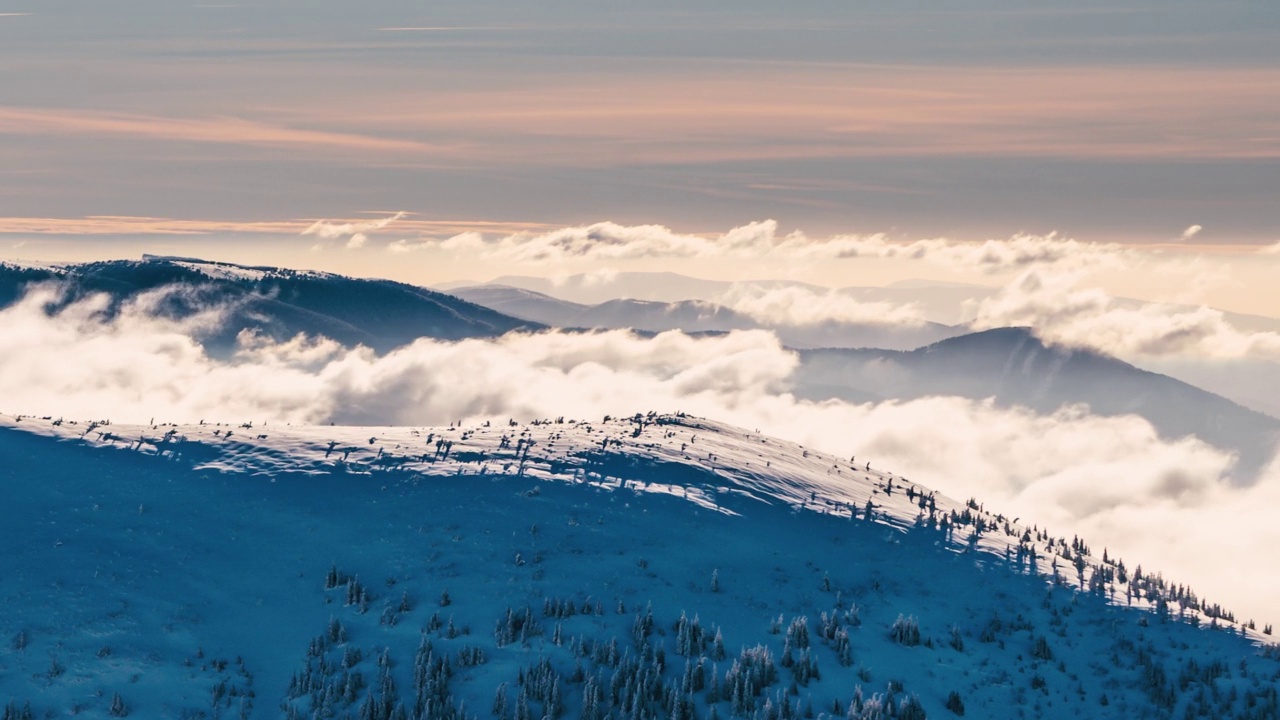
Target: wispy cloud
[
  {"x": 607, "y": 241},
  {"x": 354, "y": 232},
  {"x": 756, "y": 110},
  {"x": 132, "y": 225},
  {"x": 228, "y": 130}
]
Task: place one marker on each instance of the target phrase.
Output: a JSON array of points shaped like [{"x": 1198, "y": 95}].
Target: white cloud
[
  {"x": 607, "y": 241},
  {"x": 1112, "y": 480},
  {"x": 1191, "y": 232},
  {"x": 1061, "y": 311},
  {"x": 356, "y": 233},
  {"x": 1273, "y": 249},
  {"x": 800, "y": 306}
]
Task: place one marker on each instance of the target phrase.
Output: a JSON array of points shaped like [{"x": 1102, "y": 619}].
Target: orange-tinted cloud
[
  {"x": 712, "y": 112},
  {"x": 230, "y": 130},
  {"x": 736, "y": 111},
  {"x": 128, "y": 225}
]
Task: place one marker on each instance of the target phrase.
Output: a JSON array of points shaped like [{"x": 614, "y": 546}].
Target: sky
[{"x": 226, "y": 130}]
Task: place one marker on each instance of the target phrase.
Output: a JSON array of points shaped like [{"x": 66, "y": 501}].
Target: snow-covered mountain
[
  {"x": 1014, "y": 367},
  {"x": 648, "y": 566},
  {"x": 276, "y": 302}
]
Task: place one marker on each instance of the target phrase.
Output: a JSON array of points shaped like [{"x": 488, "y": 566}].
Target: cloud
[
  {"x": 1111, "y": 479},
  {"x": 225, "y": 130},
  {"x": 1191, "y": 232},
  {"x": 800, "y": 306},
  {"x": 354, "y": 232},
  {"x": 1061, "y": 311},
  {"x": 130, "y": 225},
  {"x": 1273, "y": 249},
  {"x": 608, "y": 241}
]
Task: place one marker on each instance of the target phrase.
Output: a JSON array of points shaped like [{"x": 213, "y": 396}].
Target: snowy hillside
[{"x": 650, "y": 566}]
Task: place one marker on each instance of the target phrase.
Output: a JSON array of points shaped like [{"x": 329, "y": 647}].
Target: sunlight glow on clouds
[
  {"x": 354, "y": 232},
  {"x": 607, "y": 241},
  {"x": 1061, "y": 311},
  {"x": 798, "y": 306}
]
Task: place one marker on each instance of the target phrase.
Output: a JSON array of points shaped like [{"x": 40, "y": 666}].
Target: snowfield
[{"x": 647, "y": 566}]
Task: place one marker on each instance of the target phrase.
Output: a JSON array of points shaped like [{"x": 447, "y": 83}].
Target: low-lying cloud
[
  {"x": 800, "y": 307},
  {"x": 1165, "y": 503},
  {"x": 608, "y": 241},
  {"x": 1061, "y": 311}
]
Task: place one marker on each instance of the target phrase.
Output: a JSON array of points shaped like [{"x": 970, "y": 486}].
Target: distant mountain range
[
  {"x": 938, "y": 302},
  {"x": 1252, "y": 382},
  {"x": 696, "y": 316},
  {"x": 279, "y": 303},
  {"x": 1014, "y": 367}
]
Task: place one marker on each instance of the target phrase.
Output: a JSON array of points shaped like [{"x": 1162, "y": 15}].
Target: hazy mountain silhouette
[
  {"x": 1014, "y": 367},
  {"x": 696, "y": 316}
]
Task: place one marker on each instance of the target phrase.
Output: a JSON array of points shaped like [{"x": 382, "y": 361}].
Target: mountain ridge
[
  {"x": 174, "y": 549},
  {"x": 277, "y": 302},
  {"x": 1017, "y": 368}
]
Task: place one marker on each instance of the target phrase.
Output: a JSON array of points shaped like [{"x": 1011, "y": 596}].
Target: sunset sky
[{"x": 227, "y": 130}]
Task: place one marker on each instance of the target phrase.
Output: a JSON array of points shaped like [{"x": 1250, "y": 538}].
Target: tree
[{"x": 118, "y": 708}]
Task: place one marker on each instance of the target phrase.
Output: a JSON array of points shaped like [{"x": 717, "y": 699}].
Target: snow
[
  {"x": 161, "y": 543},
  {"x": 233, "y": 272}
]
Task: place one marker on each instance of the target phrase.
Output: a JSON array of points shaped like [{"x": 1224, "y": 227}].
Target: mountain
[
  {"x": 279, "y": 303},
  {"x": 649, "y": 566},
  {"x": 1251, "y": 382},
  {"x": 696, "y": 316},
  {"x": 1014, "y": 367},
  {"x": 590, "y": 289},
  {"x": 524, "y": 304},
  {"x": 942, "y": 303}
]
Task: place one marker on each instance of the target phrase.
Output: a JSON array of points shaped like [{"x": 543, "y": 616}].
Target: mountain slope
[
  {"x": 1014, "y": 367},
  {"x": 658, "y": 566},
  {"x": 524, "y": 304},
  {"x": 279, "y": 303}
]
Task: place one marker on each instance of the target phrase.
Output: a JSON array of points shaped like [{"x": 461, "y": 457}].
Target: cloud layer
[
  {"x": 799, "y": 307},
  {"x": 1113, "y": 480},
  {"x": 607, "y": 241},
  {"x": 1062, "y": 311}
]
